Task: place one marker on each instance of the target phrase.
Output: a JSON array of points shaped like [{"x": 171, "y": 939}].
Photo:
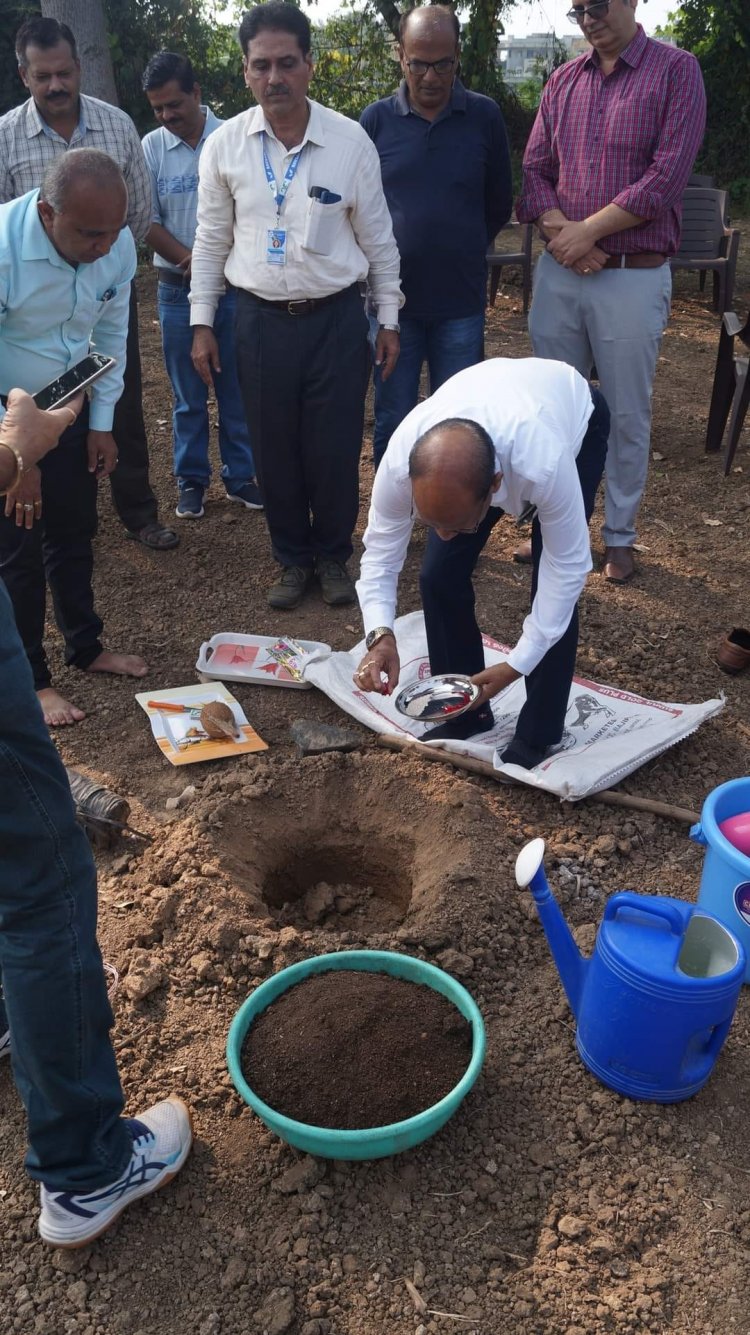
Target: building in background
[{"x": 534, "y": 57}]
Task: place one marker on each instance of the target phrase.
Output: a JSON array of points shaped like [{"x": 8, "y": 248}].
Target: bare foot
[
  {"x": 56, "y": 709},
  {"x": 122, "y": 665}
]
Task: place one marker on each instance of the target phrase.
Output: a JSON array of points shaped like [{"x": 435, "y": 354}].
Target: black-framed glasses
[
  {"x": 596, "y": 11},
  {"x": 444, "y": 66}
]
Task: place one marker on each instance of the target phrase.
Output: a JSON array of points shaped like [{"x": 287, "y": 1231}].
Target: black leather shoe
[
  {"x": 290, "y": 588},
  {"x": 335, "y": 583}
]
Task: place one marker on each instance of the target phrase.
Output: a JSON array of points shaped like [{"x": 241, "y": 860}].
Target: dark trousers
[
  {"x": 454, "y": 640},
  {"x": 303, "y": 380},
  {"x": 133, "y": 498},
  {"x": 59, "y": 549}
]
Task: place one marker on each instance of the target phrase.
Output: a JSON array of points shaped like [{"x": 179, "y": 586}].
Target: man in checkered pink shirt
[{"x": 605, "y": 167}]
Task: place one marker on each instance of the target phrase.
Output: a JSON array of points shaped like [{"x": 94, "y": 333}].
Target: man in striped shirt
[{"x": 604, "y": 171}]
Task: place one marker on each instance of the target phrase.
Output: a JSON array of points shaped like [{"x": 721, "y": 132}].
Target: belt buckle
[{"x": 299, "y": 307}]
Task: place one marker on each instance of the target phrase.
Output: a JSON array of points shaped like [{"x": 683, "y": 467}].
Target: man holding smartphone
[{"x": 66, "y": 263}]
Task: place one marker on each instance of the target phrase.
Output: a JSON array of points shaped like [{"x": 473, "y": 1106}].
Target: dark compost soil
[{"x": 349, "y": 1049}]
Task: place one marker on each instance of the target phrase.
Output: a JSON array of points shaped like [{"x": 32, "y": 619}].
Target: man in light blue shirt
[
  {"x": 172, "y": 155},
  {"x": 66, "y": 263}
]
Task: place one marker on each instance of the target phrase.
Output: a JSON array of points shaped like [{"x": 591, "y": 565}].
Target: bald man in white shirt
[{"x": 493, "y": 440}]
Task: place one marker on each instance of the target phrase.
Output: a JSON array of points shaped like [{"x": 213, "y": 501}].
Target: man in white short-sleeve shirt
[{"x": 495, "y": 439}]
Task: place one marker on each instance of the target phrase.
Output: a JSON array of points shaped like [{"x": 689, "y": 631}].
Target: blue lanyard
[{"x": 279, "y": 191}]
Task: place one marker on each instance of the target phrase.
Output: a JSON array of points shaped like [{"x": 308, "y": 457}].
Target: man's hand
[
  {"x": 571, "y": 243},
  {"x": 25, "y": 501},
  {"x": 102, "y": 452},
  {"x": 594, "y": 262},
  {"x": 548, "y": 224},
  {"x": 492, "y": 681},
  {"x": 380, "y": 661},
  {"x": 186, "y": 263},
  {"x": 387, "y": 346},
  {"x": 205, "y": 354},
  {"x": 30, "y": 430}
]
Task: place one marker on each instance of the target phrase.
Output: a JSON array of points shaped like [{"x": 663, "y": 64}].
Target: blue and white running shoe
[{"x": 162, "y": 1138}]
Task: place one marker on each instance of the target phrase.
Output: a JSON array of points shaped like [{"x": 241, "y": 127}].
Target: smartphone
[{"x": 73, "y": 381}]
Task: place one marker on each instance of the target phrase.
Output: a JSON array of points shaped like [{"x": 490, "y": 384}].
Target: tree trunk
[
  {"x": 85, "y": 18},
  {"x": 390, "y": 14}
]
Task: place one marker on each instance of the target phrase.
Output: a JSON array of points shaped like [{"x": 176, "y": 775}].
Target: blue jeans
[
  {"x": 190, "y": 414},
  {"x": 454, "y": 641},
  {"x": 447, "y": 346},
  {"x": 54, "y": 990}
]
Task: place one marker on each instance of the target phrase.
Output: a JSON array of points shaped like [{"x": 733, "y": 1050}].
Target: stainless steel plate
[{"x": 437, "y": 698}]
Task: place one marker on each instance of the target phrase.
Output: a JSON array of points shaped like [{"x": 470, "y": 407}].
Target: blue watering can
[{"x": 654, "y": 1002}]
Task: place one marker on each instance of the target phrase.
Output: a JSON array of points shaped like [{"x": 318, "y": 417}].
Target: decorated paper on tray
[
  {"x": 261, "y": 659},
  {"x": 180, "y": 732}
]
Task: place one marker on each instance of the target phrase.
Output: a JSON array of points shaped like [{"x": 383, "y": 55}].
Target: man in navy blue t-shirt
[{"x": 447, "y": 179}]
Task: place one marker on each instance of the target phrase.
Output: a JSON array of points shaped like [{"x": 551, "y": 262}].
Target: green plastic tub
[{"x": 372, "y": 1142}]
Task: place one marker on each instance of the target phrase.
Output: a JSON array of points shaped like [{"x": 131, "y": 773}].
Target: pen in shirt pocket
[{"x": 323, "y": 196}]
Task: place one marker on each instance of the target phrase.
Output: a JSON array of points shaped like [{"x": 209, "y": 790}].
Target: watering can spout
[{"x": 570, "y": 962}]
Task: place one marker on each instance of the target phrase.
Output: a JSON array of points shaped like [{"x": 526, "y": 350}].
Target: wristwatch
[
  {"x": 377, "y": 634},
  {"x": 392, "y": 328}
]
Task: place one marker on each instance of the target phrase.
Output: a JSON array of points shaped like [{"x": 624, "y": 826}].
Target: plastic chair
[
  {"x": 696, "y": 179},
  {"x": 497, "y": 259},
  {"x": 707, "y": 244},
  {"x": 730, "y": 396}
]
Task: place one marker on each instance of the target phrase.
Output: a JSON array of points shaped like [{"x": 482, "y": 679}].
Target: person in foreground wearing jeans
[
  {"x": 493, "y": 440},
  {"x": 55, "y": 1016},
  {"x": 173, "y": 155}
]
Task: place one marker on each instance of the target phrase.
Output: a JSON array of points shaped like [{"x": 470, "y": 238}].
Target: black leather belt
[
  {"x": 643, "y": 259},
  {"x": 304, "y": 306},
  {"x": 177, "y": 280},
  {"x": 172, "y": 279}
]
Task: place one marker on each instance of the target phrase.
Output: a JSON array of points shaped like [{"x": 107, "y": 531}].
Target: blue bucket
[{"x": 725, "y": 885}]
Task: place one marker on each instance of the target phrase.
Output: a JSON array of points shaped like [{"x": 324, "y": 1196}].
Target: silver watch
[
  {"x": 377, "y": 634},
  {"x": 392, "y": 328}
]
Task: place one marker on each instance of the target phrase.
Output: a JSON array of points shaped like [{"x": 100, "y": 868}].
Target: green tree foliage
[
  {"x": 355, "y": 60},
  {"x": 137, "y": 30},
  {"x": 140, "y": 28},
  {"x": 718, "y": 33}
]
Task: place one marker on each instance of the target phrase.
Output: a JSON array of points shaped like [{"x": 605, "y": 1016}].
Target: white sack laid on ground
[{"x": 608, "y": 732}]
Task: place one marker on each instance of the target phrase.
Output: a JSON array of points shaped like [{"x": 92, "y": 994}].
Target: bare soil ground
[{"x": 548, "y": 1205}]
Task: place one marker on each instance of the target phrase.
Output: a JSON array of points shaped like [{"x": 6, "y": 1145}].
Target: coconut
[{"x": 217, "y": 720}]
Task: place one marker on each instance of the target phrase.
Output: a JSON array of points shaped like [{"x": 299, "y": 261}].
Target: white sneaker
[
  {"x": 162, "y": 1137},
  {"x": 5, "y": 1044}
]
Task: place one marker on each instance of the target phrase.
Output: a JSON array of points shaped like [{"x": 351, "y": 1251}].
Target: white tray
[{"x": 252, "y": 662}]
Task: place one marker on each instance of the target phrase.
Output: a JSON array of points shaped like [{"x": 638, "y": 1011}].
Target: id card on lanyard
[{"x": 276, "y": 236}]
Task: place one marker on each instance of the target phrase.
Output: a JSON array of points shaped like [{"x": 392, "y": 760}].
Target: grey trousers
[{"x": 614, "y": 320}]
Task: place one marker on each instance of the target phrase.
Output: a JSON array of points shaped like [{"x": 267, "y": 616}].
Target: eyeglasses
[
  {"x": 596, "y": 11},
  {"x": 420, "y": 67}
]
